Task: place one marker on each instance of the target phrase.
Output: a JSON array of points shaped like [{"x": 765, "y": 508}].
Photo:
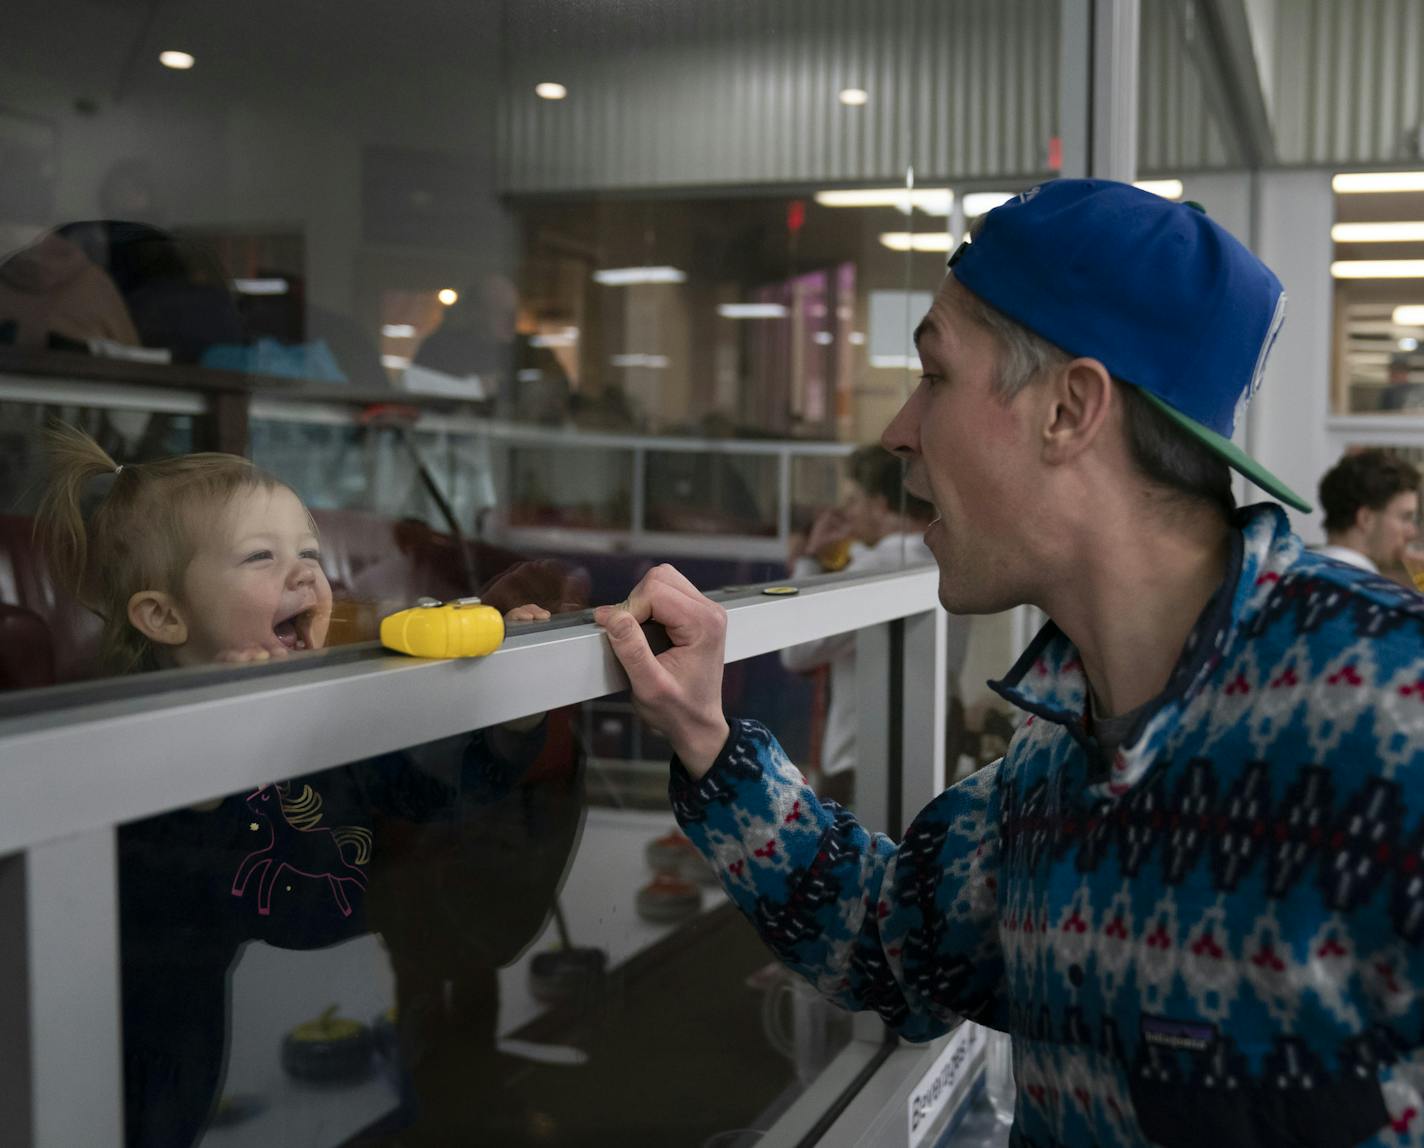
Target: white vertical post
[
  {"x": 924, "y": 711},
  {"x": 76, "y": 1068},
  {"x": 1098, "y": 88}
]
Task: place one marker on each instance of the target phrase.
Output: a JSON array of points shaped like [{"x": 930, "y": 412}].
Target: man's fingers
[{"x": 630, "y": 647}]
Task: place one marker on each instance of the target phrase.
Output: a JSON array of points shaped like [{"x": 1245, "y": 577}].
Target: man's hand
[{"x": 677, "y": 692}]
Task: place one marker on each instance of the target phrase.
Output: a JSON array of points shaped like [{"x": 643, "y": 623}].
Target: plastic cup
[{"x": 1414, "y": 563}]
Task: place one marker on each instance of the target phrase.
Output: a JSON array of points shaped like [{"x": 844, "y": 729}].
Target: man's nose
[{"x": 902, "y": 436}]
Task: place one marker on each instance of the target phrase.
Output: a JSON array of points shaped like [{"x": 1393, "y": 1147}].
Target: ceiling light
[
  {"x": 395, "y": 362},
  {"x": 629, "y": 276},
  {"x": 1408, "y": 316},
  {"x": 568, "y": 337},
  {"x": 932, "y": 201},
  {"x": 854, "y": 97},
  {"x": 1357, "y": 182},
  {"x": 261, "y": 286},
  {"x": 1377, "y": 232},
  {"x": 1378, "y": 269},
  {"x": 652, "y": 362},
  {"x": 550, "y": 91},
  {"x": 976, "y": 203},
  {"x": 398, "y": 331},
  {"x": 178, "y": 61},
  {"x": 1409, "y": 343},
  {"x": 915, "y": 241},
  {"x": 823, "y": 338},
  {"x": 1166, "y": 188},
  {"x": 449, "y": 296},
  {"x": 752, "y": 310},
  {"x": 894, "y": 362},
  {"x": 857, "y": 338}
]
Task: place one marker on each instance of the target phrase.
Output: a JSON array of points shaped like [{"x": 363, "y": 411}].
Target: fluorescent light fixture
[
  {"x": 568, "y": 337},
  {"x": 448, "y": 295},
  {"x": 932, "y": 201},
  {"x": 976, "y": 203},
  {"x": 1377, "y": 269},
  {"x": 1166, "y": 188},
  {"x": 395, "y": 362},
  {"x": 823, "y": 338},
  {"x": 1408, "y": 343},
  {"x": 653, "y": 362},
  {"x": 398, "y": 331},
  {"x": 1408, "y": 316},
  {"x": 261, "y": 286},
  {"x": 854, "y": 97},
  {"x": 1365, "y": 182},
  {"x": 915, "y": 240},
  {"x": 894, "y": 362},
  {"x": 752, "y": 310},
  {"x": 1377, "y": 232},
  {"x": 550, "y": 91},
  {"x": 630, "y": 276},
  {"x": 178, "y": 61}
]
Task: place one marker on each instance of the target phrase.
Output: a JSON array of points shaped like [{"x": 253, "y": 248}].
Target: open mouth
[{"x": 294, "y": 632}]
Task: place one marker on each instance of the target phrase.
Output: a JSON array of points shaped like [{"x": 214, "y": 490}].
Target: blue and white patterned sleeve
[{"x": 909, "y": 931}]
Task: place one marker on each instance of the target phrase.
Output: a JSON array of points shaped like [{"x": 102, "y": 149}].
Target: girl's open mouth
[{"x": 295, "y": 632}]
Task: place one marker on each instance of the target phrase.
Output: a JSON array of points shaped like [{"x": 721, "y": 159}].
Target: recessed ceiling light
[
  {"x": 915, "y": 240},
  {"x": 178, "y": 61},
  {"x": 1377, "y": 232},
  {"x": 1378, "y": 269},
  {"x": 399, "y": 331},
  {"x": 550, "y": 91},
  {"x": 449, "y": 296},
  {"x": 631, "y": 276},
  {"x": 1166, "y": 188},
  {"x": 977, "y": 203},
  {"x": 752, "y": 310},
  {"x": 1357, "y": 182},
  {"x": 1409, "y": 343},
  {"x": 854, "y": 97},
  {"x": 932, "y": 201}
]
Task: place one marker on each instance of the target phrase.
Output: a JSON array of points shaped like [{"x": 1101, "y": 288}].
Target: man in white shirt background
[
  {"x": 1371, "y": 503},
  {"x": 878, "y": 526}
]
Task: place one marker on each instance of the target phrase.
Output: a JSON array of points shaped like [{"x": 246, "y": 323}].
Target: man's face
[
  {"x": 1390, "y": 529},
  {"x": 972, "y": 456}
]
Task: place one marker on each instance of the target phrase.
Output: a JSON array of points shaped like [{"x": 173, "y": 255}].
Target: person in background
[
  {"x": 1371, "y": 503},
  {"x": 878, "y": 526},
  {"x": 1190, "y": 889}
]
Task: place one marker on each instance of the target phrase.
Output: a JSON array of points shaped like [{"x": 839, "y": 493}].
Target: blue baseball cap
[{"x": 1160, "y": 294}]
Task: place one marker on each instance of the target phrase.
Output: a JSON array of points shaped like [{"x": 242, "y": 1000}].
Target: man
[
  {"x": 883, "y": 527},
  {"x": 1371, "y": 503},
  {"x": 1191, "y": 888}
]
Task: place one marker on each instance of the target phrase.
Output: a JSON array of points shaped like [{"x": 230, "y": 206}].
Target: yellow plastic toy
[{"x": 464, "y": 628}]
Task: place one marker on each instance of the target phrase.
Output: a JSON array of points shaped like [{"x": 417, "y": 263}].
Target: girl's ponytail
[{"x": 78, "y": 465}]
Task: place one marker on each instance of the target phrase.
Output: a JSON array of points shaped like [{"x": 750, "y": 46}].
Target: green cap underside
[{"x": 1235, "y": 457}]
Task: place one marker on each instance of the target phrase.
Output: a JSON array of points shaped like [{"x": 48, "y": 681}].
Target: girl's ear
[{"x": 156, "y": 616}]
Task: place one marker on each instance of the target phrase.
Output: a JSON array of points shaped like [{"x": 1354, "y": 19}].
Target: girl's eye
[
  {"x": 314, "y": 555},
  {"x": 258, "y": 556}
]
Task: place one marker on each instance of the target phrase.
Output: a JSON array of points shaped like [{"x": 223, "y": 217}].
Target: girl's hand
[
  {"x": 253, "y": 653},
  {"x": 527, "y": 613}
]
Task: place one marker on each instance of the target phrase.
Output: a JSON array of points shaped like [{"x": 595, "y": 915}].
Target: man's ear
[
  {"x": 1077, "y": 400},
  {"x": 1365, "y": 519},
  {"x": 157, "y": 617}
]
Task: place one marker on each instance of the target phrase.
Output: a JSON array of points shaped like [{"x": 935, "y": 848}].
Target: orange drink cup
[{"x": 1414, "y": 563}]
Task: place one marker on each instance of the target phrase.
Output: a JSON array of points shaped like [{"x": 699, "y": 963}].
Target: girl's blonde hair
[{"x": 139, "y": 535}]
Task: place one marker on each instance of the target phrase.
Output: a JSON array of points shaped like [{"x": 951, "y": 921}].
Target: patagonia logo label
[{"x": 1186, "y": 1035}]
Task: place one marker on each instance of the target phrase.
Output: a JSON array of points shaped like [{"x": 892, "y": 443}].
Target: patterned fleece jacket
[{"x": 1215, "y": 938}]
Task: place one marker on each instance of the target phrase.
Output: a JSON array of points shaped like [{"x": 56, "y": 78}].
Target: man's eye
[
  {"x": 931, "y": 379},
  {"x": 258, "y": 556}
]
